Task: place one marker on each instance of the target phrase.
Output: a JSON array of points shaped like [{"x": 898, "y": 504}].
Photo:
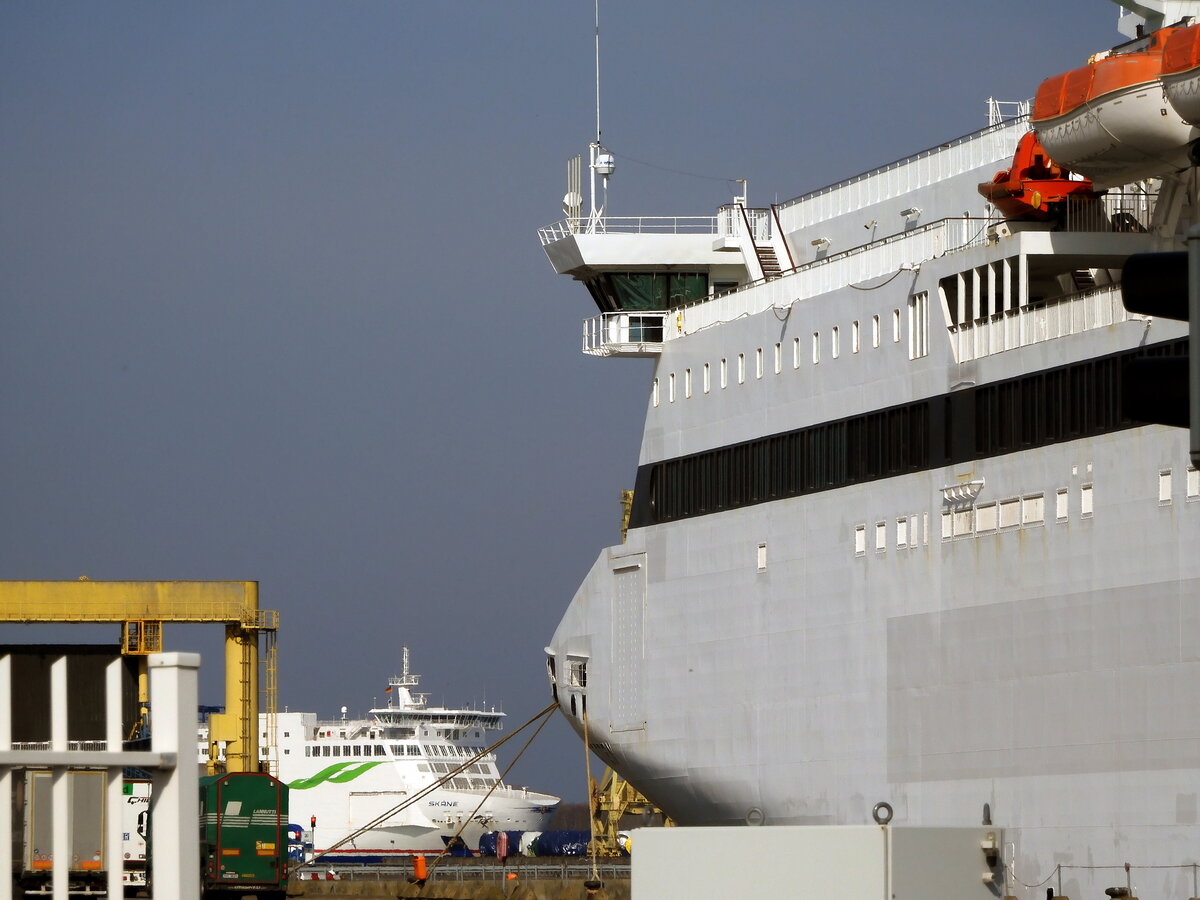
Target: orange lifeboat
[
  {"x": 1035, "y": 187},
  {"x": 1109, "y": 120},
  {"x": 1181, "y": 73}
]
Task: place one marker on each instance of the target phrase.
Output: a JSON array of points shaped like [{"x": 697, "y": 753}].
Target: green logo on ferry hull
[{"x": 338, "y": 773}]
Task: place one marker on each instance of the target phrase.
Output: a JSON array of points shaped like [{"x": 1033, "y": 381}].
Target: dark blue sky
[{"x": 274, "y": 307}]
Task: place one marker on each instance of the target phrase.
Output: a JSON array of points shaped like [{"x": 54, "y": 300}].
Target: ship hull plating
[{"x": 1042, "y": 676}]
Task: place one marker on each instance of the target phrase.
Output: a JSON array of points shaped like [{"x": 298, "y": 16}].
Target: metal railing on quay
[{"x": 454, "y": 869}]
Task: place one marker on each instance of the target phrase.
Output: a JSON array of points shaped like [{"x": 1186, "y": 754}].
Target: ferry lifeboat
[
  {"x": 1181, "y": 73},
  {"x": 1109, "y": 119},
  {"x": 1035, "y": 187}
]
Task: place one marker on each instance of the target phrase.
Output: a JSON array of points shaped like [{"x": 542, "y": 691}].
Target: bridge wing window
[{"x": 614, "y": 291}]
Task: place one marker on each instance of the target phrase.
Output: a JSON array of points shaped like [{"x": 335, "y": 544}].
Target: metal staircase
[{"x": 768, "y": 260}]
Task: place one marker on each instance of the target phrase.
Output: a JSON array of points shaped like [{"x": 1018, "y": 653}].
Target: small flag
[{"x": 387, "y": 690}]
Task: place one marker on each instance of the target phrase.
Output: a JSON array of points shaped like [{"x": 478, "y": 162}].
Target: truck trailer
[
  {"x": 33, "y": 860},
  {"x": 244, "y": 835}
]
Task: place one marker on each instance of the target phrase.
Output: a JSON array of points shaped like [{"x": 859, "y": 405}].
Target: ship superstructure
[
  {"x": 892, "y": 537},
  {"x": 377, "y": 777}
]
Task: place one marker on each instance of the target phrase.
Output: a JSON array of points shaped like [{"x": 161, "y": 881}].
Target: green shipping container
[{"x": 243, "y": 834}]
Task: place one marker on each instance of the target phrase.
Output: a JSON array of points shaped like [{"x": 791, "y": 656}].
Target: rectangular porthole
[
  {"x": 1085, "y": 501},
  {"x": 795, "y": 353},
  {"x": 687, "y": 383},
  {"x": 895, "y": 326},
  {"x": 1010, "y": 513},
  {"x": 986, "y": 519},
  {"x": 1033, "y": 509},
  {"x": 1193, "y": 483},
  {"x": 671, "y": 388},
  {"x": 758, "y": 363},
  {"x": 918, "y": 325},
  {"x": 874, "y": 331},
  {"x": 947, "y": 525},
  {"x": 880, "y": 536},
  {"x": 654, "y": 393},
  {"x": 860, "y": 540},
  {"x": 835, "y": 342},
  {"x": 816, "y": 347},
  {"x": 778, "y": 358},
  {"x": 724, "y": 372},
  {"x": 901, "y": 533},
  {"x": 707, "y": 385},
  {"x": 1060, "y": 504},
  {"x": 741, "y": 368},
  {"x": 762, "y": 557},
  {"x": 854, "y": 336},
  {"x": 1164, "y": 487}
]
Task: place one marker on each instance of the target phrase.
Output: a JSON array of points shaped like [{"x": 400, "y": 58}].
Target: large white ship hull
[{"x": 993, "y": 620}]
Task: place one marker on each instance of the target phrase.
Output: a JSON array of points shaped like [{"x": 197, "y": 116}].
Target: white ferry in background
[{"x": 368, "y": 777}]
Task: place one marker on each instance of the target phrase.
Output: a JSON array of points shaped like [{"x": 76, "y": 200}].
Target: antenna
[
  {"x": 602, "y": 162},
  {"x": 597, "y": 71}
]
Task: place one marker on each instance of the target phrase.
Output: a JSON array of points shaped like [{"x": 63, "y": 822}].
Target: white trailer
[
  {"x": 85, "y": 841},
  {"x": 135, "y": 817}
]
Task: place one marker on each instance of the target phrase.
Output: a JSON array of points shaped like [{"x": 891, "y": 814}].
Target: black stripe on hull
[{"x": 1066, "y": 403}]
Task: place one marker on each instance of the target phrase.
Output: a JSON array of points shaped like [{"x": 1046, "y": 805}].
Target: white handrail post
[
  {"x": 113, "y": 738},
  {"x": 60, "y": 844},
  {"x": 6, "y": 821},
  {"x": 175, "y": 799}
]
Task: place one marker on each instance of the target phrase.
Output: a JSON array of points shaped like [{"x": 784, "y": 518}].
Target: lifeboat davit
[
  {"x": 1035, "y": 187},
  {"x": 1181, "y": 73},
  {"x": 1109, "y": 120}
]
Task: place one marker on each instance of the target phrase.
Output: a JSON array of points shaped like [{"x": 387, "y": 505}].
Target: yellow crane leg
[{"x": 237, "y": 727}]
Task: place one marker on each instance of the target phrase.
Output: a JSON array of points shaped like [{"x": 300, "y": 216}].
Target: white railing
[
  {"x": 1120, "y": 211},
  {"x": 624, "y": 334},
  {"x": 986, "y": 147},
  {"x": 629, "y": 225},
  {"x": 1002, "y": 110},
  {"x": 175, "y": 866},
  {"x": 887, "y": 256},
  {"x": 1082, "y": 312},
  {"x": 733, "y": 218}
]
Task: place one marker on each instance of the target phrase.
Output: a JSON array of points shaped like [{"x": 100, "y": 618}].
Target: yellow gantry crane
[
  {"x": 141, "y": 608},
  {"x": 611, "y": 800}
]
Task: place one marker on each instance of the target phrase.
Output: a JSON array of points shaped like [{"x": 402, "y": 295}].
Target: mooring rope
[
  {"x": 544, "y": 715},
  {"x": 587, "y": 766}
]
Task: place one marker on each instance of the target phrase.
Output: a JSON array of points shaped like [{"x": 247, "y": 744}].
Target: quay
[{"x": 470, "y": 880}]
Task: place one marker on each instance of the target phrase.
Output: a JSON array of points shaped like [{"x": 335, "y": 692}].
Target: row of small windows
[
  {"x": 919, "y": 346},
  {"x": 1011, "y": 513},
  {"x": 1067, "y": 403},
  {"x": 442, "y": 768},
  {"x": 463, "y": 783},
  {"x": 1191, "y": 484},
  {"x": 1004, "y": 515},
  {"x": 982, "y": 518},
  {"x": 910, "y": 532},
  {"x": 396, "y": 750}
]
